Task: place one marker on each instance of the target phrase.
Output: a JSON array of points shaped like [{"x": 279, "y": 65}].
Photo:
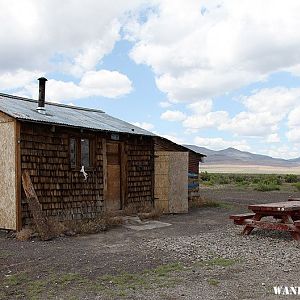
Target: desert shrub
[
  {"x": 196, "y": 202},
  {"x": 266, "y": 187},
  {"x": 256, "y": 180},
  {"x": 24, "y": 234},
  {"x": 223, "y": 179},
  {"x": 204, "y": 176},
  {"x": 297, "y": 185},
  {"x": 291, "y": 178}
]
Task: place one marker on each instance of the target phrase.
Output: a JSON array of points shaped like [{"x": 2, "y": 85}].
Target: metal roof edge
[{"x": 52, "y": 103}]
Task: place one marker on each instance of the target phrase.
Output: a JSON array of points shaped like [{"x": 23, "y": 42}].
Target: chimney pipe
[{"x": 42, "y": 88}]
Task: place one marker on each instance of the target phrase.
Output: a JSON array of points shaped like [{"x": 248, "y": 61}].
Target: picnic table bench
[{"x": 285, "y": 217}]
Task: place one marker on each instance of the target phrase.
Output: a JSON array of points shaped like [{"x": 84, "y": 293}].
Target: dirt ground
[{"x": 200, "y": 256}]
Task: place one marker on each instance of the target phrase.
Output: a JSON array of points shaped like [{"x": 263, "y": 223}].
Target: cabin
[{"x": 83, "y": 162}]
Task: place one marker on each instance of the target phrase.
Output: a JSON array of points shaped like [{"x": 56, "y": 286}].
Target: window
[
  {"x": 85, "y": 152},
  {"x": 80, "y": 152},
  {"x": 73, "y": 152}
]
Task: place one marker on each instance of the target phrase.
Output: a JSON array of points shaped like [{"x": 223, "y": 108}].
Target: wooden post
[{"x": 35, "y": 207}]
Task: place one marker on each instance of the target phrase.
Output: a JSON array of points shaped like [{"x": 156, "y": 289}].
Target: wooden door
[{"x": 113, "y": 197}]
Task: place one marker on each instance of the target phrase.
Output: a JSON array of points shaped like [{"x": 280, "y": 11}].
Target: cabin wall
[
  {"x": 61, "y": 190},
  {"x": 8, "y": 193}
]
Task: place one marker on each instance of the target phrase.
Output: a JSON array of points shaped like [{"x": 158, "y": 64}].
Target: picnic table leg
[
  {"x": 248, "y": 228},
  {"x": 289, "y": 220},
  {"x": 295, "y": 235}
]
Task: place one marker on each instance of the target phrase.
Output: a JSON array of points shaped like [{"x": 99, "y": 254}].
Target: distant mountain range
[{"x": 237, "y": 157}]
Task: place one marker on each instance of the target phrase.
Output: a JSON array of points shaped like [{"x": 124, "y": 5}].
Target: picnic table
[{"x": 285, "y": 216}]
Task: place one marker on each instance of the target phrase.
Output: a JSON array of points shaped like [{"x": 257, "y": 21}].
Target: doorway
[{"x": 113, "y": 196}]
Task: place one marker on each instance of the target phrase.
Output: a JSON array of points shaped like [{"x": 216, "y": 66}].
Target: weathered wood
[
  {"x": 8, "y": 195},
  {"x": 18, "y": 176},
  {"x": 285, "y": 212},
  {"x": 124, "y": 177},
  {"x": 35, "y": 207},
  {"x": 241, "y": 217}
]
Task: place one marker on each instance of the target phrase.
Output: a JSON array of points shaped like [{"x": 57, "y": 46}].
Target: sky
[{"x": 216, "y": 74}]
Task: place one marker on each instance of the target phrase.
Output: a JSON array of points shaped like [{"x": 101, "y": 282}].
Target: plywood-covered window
[{"x": 80, "y": 152}]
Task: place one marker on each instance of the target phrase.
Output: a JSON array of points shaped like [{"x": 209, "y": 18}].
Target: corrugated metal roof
[{"x": 58, "y": 114}]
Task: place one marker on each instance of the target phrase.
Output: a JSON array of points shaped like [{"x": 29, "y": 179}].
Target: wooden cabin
[{"x": 82, "y": 162}]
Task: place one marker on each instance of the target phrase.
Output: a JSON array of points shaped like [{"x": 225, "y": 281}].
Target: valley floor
[{"x": 248, "y": 169}]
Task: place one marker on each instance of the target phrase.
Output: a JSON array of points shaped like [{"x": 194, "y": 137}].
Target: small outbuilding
[{"x": 83, "y": 162}]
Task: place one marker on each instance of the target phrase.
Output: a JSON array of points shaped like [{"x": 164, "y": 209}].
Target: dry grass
[
  {"x": 154, "y": 213},
  {"x": 24, "y": 234},
  {"x": 196, "y": 202},
  {"x": 88, "y": 226}
]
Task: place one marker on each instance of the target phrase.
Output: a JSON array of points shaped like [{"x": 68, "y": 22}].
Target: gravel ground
[{"x": 201, "y": 256}]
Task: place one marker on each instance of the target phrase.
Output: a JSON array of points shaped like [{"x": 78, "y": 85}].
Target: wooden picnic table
[{"x": 285, "y": 217}]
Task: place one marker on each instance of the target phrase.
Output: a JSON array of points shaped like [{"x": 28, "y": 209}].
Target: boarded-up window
[
  {"x": 73, "y": 152},
  {"x": 85, "y": 152}
]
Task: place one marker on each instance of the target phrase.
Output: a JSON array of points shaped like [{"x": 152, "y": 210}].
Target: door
[{"x": 113, "y": 197}]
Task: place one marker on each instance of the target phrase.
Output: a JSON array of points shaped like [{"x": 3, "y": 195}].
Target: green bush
[
  {"x": 297, "y": 185},
  {"x": 204, "y": 176},
  {"x": 266, "y": 187},
  {"x": 223, "y": 179},
  {"x": 291, "y": 178}
]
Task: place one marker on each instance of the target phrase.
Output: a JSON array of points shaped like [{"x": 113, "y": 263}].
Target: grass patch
[
  {"x": 221, "y": 262},
  {"x": 297, "y": 185},
  {"x": 261, "y": 182},
  {"x": 68, "y": 285},
  {"x": 212, "y": 281},
  {"x": 267, "y": 187},
  {"x": 217, "y": 204},
  {"x": 4, "y": 254}
]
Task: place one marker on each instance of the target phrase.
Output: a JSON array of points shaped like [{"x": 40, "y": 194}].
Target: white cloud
[
  {"x": 266, "y": 109},
  {"x": 110, "y": 84},
  {"x": 220, "y": 143},
  {"x": 201, "y": 107},
  {"x": 106, "y": 83},
  {"x": 196, "y": 55},
  {"x": 294, "y": 117},
  {"x": 278, "y": 100},
  {"x": 174, "y": 138},
  {"x": 273, "y": 138},
  {"x": 252, "y": 124},
  {"x": 173, "y": 115},
  {"x": 144, "y": 125},
  {"x": 165, "y": 104},
  {"x": 284, "y": 152},
  {"x": 40, "y": 34},
  {"x": 293, "y": 135},
  {"x": 17, "y": 79},
  {"x": 210, "y": 120}
]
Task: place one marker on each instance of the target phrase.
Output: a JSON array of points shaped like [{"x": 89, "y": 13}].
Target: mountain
[{"x": 237, "y": 157}]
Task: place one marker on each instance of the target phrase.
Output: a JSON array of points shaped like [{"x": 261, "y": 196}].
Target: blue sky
[{"x": 216, "y": 74}]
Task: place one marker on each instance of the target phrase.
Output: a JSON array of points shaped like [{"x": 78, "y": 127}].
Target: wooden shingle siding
[
  {"x": 61, "y": 190},
  {"x": 140, "y": 167}
]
